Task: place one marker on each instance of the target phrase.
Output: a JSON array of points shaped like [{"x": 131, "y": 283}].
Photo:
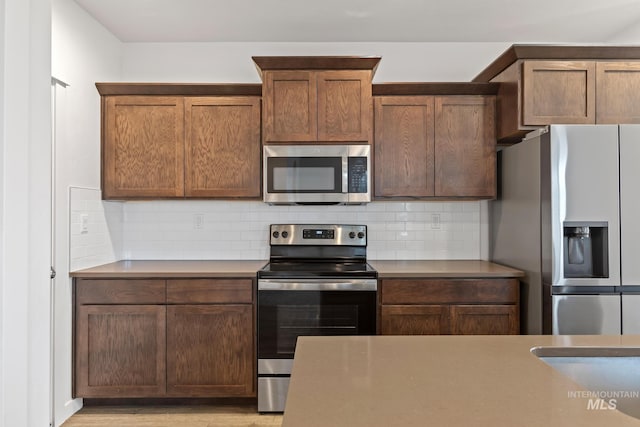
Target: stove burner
[
  {"x": 318, "y": 250},
  {"x": 317, "y": 269}
]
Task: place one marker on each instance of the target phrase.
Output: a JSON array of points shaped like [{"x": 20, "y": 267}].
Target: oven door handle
[{"x": 318, "y": 285}]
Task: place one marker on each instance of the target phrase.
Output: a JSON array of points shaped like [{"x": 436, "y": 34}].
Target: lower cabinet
[
  {"x": 484, "y": 319},
  {"x": 120, "y": 351},
  {"x": 414, "y": 320},
  {"x": 164, "y": 338},
  {"x": 449, "y": 306},
  {"x": 209, "y": 350}
]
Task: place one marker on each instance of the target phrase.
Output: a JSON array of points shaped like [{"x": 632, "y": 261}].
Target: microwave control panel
[{"x": 358, "y": 175}]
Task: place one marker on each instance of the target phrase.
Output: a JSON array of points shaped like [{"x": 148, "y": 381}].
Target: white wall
[
  {"x": 3, "y": 58},
  {"x": 83, "y": 52},
  {"x": 24, "y": 277},
  {"x": 231, "y": 62},
  {"x": 628, "y": 35}
]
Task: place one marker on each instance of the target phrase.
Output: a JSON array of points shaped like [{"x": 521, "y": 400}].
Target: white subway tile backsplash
[
  {"x": 239, "y": 230},
  {"x": 102, "y": 241}
]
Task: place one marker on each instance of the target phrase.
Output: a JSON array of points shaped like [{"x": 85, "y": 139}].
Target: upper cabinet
[
  {"x": 222, "y": 147},
  {"x": 465, "y": 146},
  {"x": 404, "y": 146},
  {"x": 431, "y": 145},
  {"x": 142, "y": 147},
  {"x": 169, "y": 144},
  {"x": 317, "y": 99},
  {"x": 543, "y": 85},
  {"x": 558, "y": 92},
  {"x": 618, "y": 92}
]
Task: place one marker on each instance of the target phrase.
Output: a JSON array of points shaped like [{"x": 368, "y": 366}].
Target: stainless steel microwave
[{"x": 317, "y": 174}]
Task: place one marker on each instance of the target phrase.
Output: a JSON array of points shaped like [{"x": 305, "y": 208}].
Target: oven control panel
[{"x": 318, "y": 234}]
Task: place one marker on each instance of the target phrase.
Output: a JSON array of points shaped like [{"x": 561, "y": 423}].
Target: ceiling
[{"x": 563, "y": 21}]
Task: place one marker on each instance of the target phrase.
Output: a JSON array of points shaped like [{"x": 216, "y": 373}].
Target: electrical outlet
[
  {"x": 198, "y": 221},
  {"x": 84, "y": 223},
  {"x": 435, "y": 221}
]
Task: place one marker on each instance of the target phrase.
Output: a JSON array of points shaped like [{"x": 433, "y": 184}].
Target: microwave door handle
[{"x": 345, "y": 174}]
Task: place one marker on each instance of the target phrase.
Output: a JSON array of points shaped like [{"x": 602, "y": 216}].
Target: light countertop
[
  {"x": 229, "y": 268},
  {"x": 440, "y": 381},
  {"x": 444, "y": 268},
  {"x": 170, "y": 268}
]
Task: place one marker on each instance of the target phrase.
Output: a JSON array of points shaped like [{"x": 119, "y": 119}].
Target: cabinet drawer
[
  {"x": 450, "y": 291},
  {"x": 209, "y": 291},
  {"x": 414, "y": 319},
  {"x": 120, "y": 291},
  {"x": 484, "y": 320}
]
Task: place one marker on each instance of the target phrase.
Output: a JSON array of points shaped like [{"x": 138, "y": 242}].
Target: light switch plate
[
  {"x": 435, "y": 221},
  {"x": 84, "y": 223},
  {"x": 198, "y": 221}
]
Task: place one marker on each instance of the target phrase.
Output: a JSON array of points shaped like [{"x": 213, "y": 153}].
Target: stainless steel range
[{"x": 317, "y": 282}]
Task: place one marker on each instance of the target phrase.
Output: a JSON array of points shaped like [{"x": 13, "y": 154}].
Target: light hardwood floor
[{"x": 169, "y": 416}]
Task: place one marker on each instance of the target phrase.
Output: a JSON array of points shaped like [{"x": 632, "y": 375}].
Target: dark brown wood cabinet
[
  {"x": 600, "y": 92},
  {"x": 414, "y": 319},
  {"x": 317, "y": 106},
  {"x": 543, "y": 85},
  {"x": 465, "y": 146},
  {"x": 404, "y": 146},
  {"x": 164, "y": 338},
  {"x": 222, "y": 147},
  {"x": 435, "y": 146},
  {"x": 290, "y": 106},
  {"x": 209, "y": 350},
  {"x": 449, "y": 306},
  {"x": 618, "y": 92},
  {"x": 120, "y": 338},
  {"x": 120, "y": 351},
  {"x": 317, "y": 98},
  {"x": 210, "y": 337},
  {"x": 484, "y": 319},
  {"x": 558, "y": 92},
  {"x": 157, "y": 146},
  {"x": 345, "y": 107},
  {"x": 142, "y": 146}
]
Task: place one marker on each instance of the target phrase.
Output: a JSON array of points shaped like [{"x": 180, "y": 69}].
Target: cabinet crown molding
[
  {"x": 556, "y": 52},
  {"x": 180, "y": 89},
  {"x": 316, "y": 63}
]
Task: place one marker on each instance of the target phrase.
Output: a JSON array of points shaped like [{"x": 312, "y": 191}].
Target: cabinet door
[
  {"x": 465, "y": 146},
  {"x": 210, "y": 350},
  {"x": 120, "y": 351},
  {"x": 290, "y": 106},
  {"x": 404, "y": 147},
  {"x": 618, "y": 92},
  {"x": 558, "y": 92},
  {"x": 222, "y": 147},
  {"x": 414, "y": 320},
  {"x": 142, "y": 146},
  {"x": 484, "y": 320},
  {"x": 345, "y": 109}
]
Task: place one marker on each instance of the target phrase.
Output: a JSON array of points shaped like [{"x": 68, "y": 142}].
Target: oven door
[{"x": 288, "y": 309}]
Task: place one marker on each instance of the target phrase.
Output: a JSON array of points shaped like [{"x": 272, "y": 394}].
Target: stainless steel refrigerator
[{"x": 568, "y": 214}]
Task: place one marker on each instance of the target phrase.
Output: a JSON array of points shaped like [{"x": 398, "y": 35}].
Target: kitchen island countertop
[{"x": 441, "y": 381}]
